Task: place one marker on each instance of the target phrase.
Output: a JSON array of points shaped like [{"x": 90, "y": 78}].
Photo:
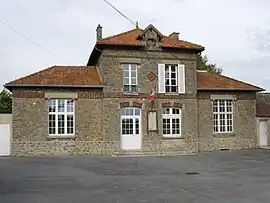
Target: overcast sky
[{"x": 236, "y": 34}]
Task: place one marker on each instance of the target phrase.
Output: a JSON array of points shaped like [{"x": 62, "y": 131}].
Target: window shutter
[
  {"x": 161, "y": 78},
  {"x": 181, "y": 79}
]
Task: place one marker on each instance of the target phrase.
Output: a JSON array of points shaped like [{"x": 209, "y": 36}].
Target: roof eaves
[
  {"x": 231, "y": 89},
  {"x": 49, "y": 85}
]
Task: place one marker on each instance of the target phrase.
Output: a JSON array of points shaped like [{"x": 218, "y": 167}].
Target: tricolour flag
[{"x": 151, "y": 97}]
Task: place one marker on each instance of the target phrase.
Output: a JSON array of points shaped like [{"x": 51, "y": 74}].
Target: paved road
[{"x": 224, "y": 177}]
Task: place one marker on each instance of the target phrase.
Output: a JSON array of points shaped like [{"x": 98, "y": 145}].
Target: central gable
[{"x": 152, "y": 37}]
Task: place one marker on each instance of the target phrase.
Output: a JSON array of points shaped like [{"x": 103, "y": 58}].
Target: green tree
[
  {"x": 5, "y": 102},
  {"x": 204, "y": 64}
]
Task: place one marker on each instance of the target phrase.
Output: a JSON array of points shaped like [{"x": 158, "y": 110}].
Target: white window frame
[
  {"x": 130, "y": 77},
  {"x": 218, "y": 113},
  {"x": 170, "y": 78},
  {"x": 172, "y": 116},
  {"x": 65, "y": 113}
]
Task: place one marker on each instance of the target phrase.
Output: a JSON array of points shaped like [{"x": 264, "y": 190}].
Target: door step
[
  {"x": 265, "y": 147},
  {"x": 151, "y": 153}
]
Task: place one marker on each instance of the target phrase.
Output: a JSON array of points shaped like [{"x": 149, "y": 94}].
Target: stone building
[{"x": 105, "y": 107}]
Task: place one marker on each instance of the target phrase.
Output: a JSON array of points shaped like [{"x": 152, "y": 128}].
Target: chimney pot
[
  {"x": 174, "y": 35},
  {"x": 99, "y": 32}
]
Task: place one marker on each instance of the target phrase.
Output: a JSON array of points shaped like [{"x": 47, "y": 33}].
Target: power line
[
  {"x": 122, "y": 14},
  {"x": 29, "y": 39}
]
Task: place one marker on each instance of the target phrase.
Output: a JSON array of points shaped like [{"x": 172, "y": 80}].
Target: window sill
[
  {"x": 131, "y": 93},
  {"x": 171, "y": 93},
  {"x": 61, "y": 137},
  {"x": 224, "y": 135},
  {"x": 172, "y": 138}
]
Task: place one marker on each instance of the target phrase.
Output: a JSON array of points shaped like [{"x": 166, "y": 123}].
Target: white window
[
  {"x": 130, "y": 78},
  {"x": 61, "y": 117},
  {"x": 223, "y": 116},
  {"x": 171, "y": 78},
  {"x": 171, "y": 122}
]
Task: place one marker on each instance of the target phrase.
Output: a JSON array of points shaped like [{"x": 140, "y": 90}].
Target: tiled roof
[
  {"x": 214, "y": 81},
  {"x": 263, "y": 104},
  {"x": 89, "y": 76},
  {"x": 61, "y": 75},
  {"x": 131, "y": 37}
]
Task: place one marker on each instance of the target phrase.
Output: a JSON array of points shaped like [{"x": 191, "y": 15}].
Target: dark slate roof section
[{"x": 263, "y": 104}]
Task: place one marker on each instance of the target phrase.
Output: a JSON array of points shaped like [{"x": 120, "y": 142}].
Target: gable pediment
[{"x": 152, "y": 37}]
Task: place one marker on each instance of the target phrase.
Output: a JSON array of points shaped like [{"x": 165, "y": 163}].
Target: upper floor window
[
  {"x": 61, "y": 117},
  {"x": 130, "y": 78},
  {"x": 171, "y": 78},
  {"x": 171, "y": 122},
  {"x": 223, "y": 116}
]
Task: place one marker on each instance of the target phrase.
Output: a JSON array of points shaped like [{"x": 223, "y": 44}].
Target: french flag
[{"x": 151, "y": 97}]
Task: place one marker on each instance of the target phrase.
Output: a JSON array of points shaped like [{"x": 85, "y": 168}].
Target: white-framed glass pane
[
  {"x": 52, "y": 124},
  {"x": 166, "y": 111},
  {"x": 126, "y": 67},
  {"x": 175, "y": 126},
  {"x": 69, "y": 105},
  {"x": 137, "y": 111},
  {"x": 52, "y": 105},
  {"x": 126, "y": 74},
  {"x": 133, "y": 81},
  {"x": 133, "y": 67},
  {"x": 126, "y": 81},
  {"x": 127, "y": 126},
  {"x": 61, "y": 105},
  {"x": 137, "y": 126},
  {"x": 174, "y": 89},
  {"x": 61, "y": 124},
  {"x": 133, "y": 74},
  {"x": 175, "y": 111},
  {"x": 166, "y": 124},
  {"x": 70, "y": 124}
]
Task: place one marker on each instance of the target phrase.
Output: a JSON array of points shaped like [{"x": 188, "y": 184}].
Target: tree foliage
[
  {"x": 5, "y": 102},
  {"x": 204, "y": 64}
]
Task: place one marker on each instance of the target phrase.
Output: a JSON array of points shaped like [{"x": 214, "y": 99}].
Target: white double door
[{"x": 131, "y": 138}]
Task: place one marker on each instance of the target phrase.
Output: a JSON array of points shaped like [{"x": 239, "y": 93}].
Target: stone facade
[
  {"x": 244, "y": 123},
  {"x": 97, "y": 113}
]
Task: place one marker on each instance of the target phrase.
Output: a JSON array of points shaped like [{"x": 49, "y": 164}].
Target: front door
[
  {"x": 262, "y": 133},
  {"x": 131, "y": 128}
]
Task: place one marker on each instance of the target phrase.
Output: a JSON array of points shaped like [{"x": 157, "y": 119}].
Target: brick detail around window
[
  {"x": 177, "y": 105},
  {"x": 137, "y": 104},
  {"x": 171, "y": 104},
  {"x": 124, "y": 104},
  {"x": 28, "y": 94},
  {"x": 90, "y": 95}
]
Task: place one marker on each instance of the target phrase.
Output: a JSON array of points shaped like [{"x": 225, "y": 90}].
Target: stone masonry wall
[
  {"x": 30, "y": 127},
  {"x": 244, "y": 125},
  {"x": 148, "y": 62}
]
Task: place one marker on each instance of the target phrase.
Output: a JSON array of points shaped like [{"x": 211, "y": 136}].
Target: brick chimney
[
  {"x": 174, "y": 35},
  {"x": 99, "y": 32}
]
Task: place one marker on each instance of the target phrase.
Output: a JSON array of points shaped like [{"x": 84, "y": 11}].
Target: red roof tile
[
  {"x": 61, "y": 75},
  {"x": 214, "y": 81},
  {"x": 131, "y": 37}
]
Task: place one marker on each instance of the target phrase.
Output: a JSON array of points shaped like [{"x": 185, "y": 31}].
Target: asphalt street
[{"x": 219, "y": 177}]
